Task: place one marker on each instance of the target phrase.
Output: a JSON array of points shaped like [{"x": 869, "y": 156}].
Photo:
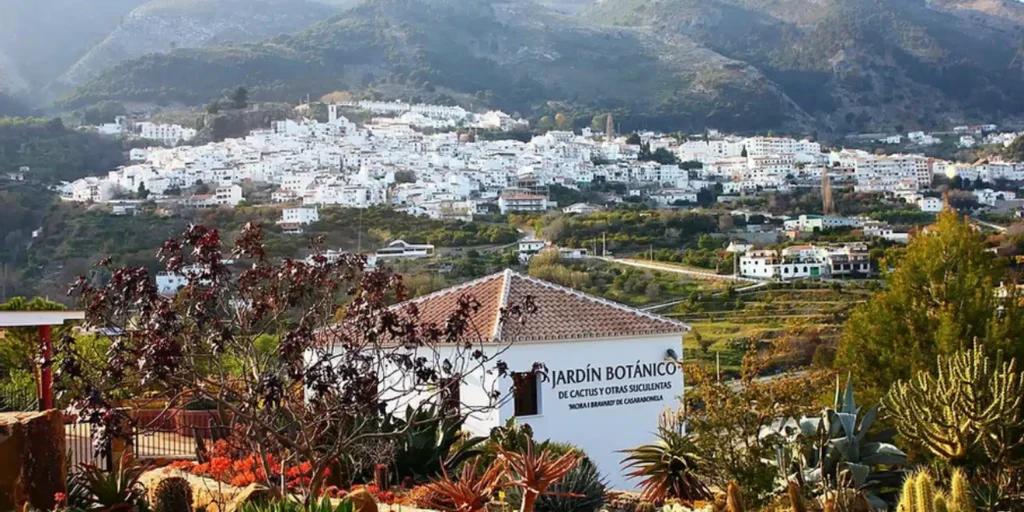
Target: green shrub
[
  {"x": 286, "y": 505},
  {"x": 201, "y": 404}
]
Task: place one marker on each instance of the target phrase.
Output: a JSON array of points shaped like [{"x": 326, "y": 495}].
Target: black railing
[
  {"x": 79, "y": 439},
  {"x": 18, "y": 401},
  {"x": 176, "y": 441}
]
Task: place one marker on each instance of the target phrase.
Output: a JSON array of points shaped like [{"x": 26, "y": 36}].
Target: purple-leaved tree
[{"x": 341, "y": 354}]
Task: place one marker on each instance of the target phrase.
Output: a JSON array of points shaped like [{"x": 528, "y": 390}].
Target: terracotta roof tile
[{"x": 562, "y": 313}]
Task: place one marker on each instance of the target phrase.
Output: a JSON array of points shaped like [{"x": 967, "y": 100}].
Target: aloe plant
[
  {"x": 668, "y": 468},
  {"x": 471, "y": 492},
  {"x": 834, "y": 451}
]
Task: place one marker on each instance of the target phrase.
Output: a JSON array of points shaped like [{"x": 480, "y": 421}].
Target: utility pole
[
  {"x": 359, "y": 234},
  {"x": 604, "y": 245},
  {"x": 718, "y": 364}
]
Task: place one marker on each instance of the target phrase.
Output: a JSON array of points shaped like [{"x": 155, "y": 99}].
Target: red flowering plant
[
  {"x": 247, "y": 470},
  {"x": 342, "y": 352}
]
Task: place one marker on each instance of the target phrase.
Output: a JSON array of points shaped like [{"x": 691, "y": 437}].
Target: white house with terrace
[{"x": 611, "y": 369}]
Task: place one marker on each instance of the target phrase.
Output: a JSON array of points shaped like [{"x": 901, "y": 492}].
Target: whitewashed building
[
  {"x": 400, "y": 249},
  {"x": 805, "y": 261},
  {"x": 166, "y": 134},
  {"x": 930, "y": 204},
  {"x": 611, "y": 369},
  {"x": 301, "y": 216},
  {"x": 820, "y": 222},
  {"x": 517, "y": 202}
]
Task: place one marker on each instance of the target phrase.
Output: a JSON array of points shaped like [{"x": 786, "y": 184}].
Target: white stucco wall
[
  {"x": 601, "y": 415},
  {"x": 581, "y": 402}
]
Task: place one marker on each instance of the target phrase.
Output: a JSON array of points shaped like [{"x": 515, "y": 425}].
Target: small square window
[{"x": 527, "y": 398}]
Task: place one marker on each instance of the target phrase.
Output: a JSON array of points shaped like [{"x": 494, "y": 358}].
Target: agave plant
[
  {"x": 668, "y": 468},
  {"x": 832, "y": 451},
  {"x": 535, "y": 473},
  {"x": 115, "y": 490},
  {"x": 470, "y": 493},
  {"x": 430, "y": 443}
]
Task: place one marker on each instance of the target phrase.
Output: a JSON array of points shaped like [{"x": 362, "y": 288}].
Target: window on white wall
[{"x": 527, "y": 393}]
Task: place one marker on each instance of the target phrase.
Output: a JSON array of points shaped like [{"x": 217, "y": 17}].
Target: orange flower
[
  {"x": 221, "y": 448},
  {"x": 243, "y": 479},
  {"x": 220, "y": 465}
]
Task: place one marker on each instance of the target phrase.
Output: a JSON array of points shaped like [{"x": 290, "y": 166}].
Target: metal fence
[
  {"x": 79, "y": 439},
  {"x": 172, "y": 440},
  {"x": 18, "y": 400}
]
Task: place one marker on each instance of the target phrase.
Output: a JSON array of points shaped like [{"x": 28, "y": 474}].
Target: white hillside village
[{"x": 399, "y": 160}]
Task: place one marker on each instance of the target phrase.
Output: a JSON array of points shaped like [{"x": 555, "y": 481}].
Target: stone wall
[{"x": 32, "y": 459}]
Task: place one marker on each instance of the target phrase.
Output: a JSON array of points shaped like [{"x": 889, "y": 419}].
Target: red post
[{"x": 46, "y": 375}]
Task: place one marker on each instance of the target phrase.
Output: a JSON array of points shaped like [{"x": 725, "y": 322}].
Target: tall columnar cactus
[
  {"x": 972, "y": 403},
  {"x": 961, "y": 499},
  {"x": 924, "y": 492},
  {"x": 920, "y": 494}
]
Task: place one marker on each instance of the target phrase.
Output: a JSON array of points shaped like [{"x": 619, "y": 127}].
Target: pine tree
[{"x": 941, "y": 297}]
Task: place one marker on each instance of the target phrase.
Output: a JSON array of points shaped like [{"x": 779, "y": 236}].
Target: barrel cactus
[{"x": 173, "y": 495}]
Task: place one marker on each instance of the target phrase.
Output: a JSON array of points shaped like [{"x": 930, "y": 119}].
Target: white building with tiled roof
[{"x": 611, "y": 369}]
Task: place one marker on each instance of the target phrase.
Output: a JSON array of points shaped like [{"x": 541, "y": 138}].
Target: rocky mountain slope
[
  {"x": 39, "y": 39},
  {"x": 513, "y": 54},
  {"x": 859, "y": 64},
  {"x": 162, "y": 25},
  {"x": 830, "y": 65}
]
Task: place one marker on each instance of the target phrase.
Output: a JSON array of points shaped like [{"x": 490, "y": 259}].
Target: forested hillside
[{"x": 54, "y": 152}]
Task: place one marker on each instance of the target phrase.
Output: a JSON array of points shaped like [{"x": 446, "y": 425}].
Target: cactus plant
[
  {"x": 920, "y": 494},
  {"x": 645, "y": 506},
  {"x": 970, "y": 406},
  {"x": 833, "y": 451},
  {"x": 796, "y": 499},
  {"x": 173, "y": 495},
  {"x": 733, "y": 498},
  {"x": 961, "y": 499}
]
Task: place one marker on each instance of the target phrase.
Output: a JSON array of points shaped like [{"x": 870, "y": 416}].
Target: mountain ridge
[
  {"x": 158, "y": 26},
  {"x": 832, "y": 65}
]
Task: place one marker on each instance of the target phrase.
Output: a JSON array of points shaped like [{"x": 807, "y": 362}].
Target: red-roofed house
[{"x": 611, "y": 369}]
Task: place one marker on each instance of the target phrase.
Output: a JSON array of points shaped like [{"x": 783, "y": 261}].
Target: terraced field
[{"x": 807, "y": 317}]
